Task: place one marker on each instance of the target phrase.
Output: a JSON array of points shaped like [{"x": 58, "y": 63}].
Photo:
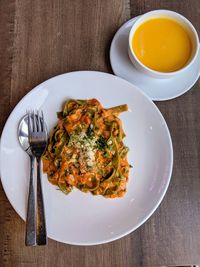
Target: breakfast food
[
  {"x": 162, "y": 44},
  {"x": 86, "y": 150}
]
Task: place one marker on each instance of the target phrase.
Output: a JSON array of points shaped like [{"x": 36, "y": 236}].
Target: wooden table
[{"x": 43, "y": 38}]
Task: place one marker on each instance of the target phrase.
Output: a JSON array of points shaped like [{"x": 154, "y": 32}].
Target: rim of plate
[
  {"x": 132, "y": 21},
  {"x": 169, "y": 174}
]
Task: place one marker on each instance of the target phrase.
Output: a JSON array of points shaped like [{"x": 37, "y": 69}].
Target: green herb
[
  {"x": 101, "y": 143},
  {"x": 89, "y": 132}
]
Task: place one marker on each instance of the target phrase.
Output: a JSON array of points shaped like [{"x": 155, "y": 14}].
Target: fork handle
[
  {"x": 41, "y": 234},
  {"x": 30, "y": 238}
]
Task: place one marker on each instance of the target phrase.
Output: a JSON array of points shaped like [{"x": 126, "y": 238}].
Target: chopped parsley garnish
[
  {"x": 90, "y": 132},
  {"x": 101, "y": 143}
]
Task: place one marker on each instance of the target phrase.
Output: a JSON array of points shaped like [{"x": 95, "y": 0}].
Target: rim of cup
[{"x": 162, "y": 13}]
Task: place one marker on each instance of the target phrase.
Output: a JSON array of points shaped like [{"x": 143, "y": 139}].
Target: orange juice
[{"x": 162, "y": 44}]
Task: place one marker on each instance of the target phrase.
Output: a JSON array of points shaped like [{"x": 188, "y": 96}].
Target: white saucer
[{"x": 156, "y": 89}]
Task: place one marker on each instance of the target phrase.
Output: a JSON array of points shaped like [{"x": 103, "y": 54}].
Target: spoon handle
[
  {"x": 30, "y": 238},
  {"x": 41, "y": 223}
]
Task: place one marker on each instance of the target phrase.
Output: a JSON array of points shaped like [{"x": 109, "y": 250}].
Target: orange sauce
[{"x": 162, "y": 44}]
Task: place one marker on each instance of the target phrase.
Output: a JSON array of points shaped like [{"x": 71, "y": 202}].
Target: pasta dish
[{"x": 86, "y": 150}]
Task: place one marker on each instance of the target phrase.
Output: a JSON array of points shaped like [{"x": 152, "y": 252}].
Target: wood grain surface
[{"x": 43, "y": 38}]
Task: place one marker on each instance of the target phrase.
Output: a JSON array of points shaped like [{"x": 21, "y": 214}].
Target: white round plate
[
  {"x": 80, "y": 218},
  {"x": 156, "y": 89}
]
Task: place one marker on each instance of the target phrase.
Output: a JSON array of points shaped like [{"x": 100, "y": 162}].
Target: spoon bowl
[{"x": 23, "y": 135}]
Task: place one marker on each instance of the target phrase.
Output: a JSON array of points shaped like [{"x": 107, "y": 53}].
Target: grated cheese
[{"x": 86, "y": 145}]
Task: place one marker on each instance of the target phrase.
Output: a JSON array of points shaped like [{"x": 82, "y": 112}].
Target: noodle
[{"x": 86, "y": 150}]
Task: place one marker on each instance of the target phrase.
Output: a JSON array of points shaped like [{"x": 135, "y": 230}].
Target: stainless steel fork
[{"x": 38, "y": 141}]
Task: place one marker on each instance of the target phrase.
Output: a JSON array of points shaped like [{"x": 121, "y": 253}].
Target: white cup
[{"x": 163, "y": 14}]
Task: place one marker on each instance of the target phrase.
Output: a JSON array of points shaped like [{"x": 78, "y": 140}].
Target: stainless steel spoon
[{"x": 30, "y": 238}]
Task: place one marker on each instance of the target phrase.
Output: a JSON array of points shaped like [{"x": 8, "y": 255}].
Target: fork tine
[
  {"x": 42, "y": 122},
  {"x": 39, "y": 121},
  {"x": 34, "y": 122},
  {"x": 30, "y": 128}
]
